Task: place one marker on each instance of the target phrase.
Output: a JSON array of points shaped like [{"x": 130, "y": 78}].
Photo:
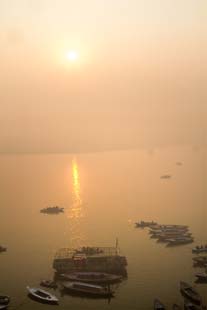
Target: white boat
[
  {"x": 42, "y": 296},
  {"x": 4, "y": 302},
  {"x": 158, "y": 305},
  {"x": 88, "y": 289}
]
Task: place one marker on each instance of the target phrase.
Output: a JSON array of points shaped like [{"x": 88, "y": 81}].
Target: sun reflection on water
[{"x": 76, "y": 212}]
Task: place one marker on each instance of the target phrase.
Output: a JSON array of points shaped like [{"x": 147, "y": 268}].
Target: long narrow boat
[
  {"x": 199, "y": 249},
  {"x": 4, "y": 302},
  {"x": 189, "y": 292},
  {"x": 158, "y": 305},
  {"x": 92, "y": 277},
  {"x": 42, "y": 296},
  {"x": 88, "y": 289},
  {"x": 179, "y": 241}
]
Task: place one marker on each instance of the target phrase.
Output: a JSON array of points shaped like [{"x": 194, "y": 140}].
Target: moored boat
[
  {"x": 52, "y": 210},
  {"x": 179, "y": 241},
  {"x": 143, "y": 224},
  {"x": 88, "y": 289},
  {"x": 200, "y": 260},
  {"x": 92, "y": 277},
  {"x": 158, "y": 305},
  {"x": 189, "y": 292},
  {"x": 199, "y": 249},
  {"x": 42, "y": 296},
  {"x": 201, "y": 276},
  {"x": 165, "y": 237},
  {"x": 4, "y": 302}
]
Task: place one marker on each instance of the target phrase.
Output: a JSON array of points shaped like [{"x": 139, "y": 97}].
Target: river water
[{"x": 103, "y": 195}]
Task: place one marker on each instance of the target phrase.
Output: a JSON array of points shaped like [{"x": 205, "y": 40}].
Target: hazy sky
[{"x": 139, "y": 79}]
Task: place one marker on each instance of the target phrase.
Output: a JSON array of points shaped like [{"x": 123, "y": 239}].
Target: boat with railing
[{"x": 90, "y": 259}]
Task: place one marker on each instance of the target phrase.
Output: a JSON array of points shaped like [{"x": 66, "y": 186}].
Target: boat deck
[{"x": 86, "y": 251}]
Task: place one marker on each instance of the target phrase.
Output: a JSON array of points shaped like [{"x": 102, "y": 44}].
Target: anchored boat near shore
[{"x": 88, "y": 289}]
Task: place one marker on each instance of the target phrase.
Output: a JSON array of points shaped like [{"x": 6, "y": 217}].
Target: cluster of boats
[
  {"x": 52, "y": 210},
  {"x": 170, "y": 234},
  {"x": 192, "y": 299},
  {"x": 200, "y": 261},
  {"x": 91, "y": 284}
]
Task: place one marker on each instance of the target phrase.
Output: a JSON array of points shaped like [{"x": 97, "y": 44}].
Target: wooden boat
[
  {"x": 200, "y": 260},
  {"x": 4, "y": 302},
  {"x": 201, "y": 276},
  {"x": 42, "y": 296},
  {"x": 164, "y": 237},
  {"x": 48, "y": 283},
  {"x": 199, "y": 249},
  {"x": 179, "y": 240},
  {"x": 92, "y": 277},
  {"x": 52, "y": 210},
  {"x": 176, "y": 307},
  {"x": 158, "y": 305},
  {"x": 189, "y": 292},
  {"x": 88, "y": 289},
  {"x": 143, "y": 224}
]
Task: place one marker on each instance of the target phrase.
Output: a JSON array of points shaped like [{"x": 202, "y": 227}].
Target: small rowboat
[
  {"x": 88, "y": 289},
  {"x": 92, "y": 277},
  {"x": 4, "y": 301},
  {"x": 158, "y": 305},
  {"x": 42, "y": 296},
  {"x": 189, "y": 292}
]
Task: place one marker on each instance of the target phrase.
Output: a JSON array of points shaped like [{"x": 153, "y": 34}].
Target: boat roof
[{"x": 71, "y": 253}]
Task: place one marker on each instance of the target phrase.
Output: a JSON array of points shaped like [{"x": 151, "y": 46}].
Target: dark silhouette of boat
[
  {"x": 87, "y": 289},
  {"x": 92, "y": 277},
  {"x": 52, "y": 210},
  {"x": 4, "y": 302},
  {"x": 189, "y": 292}
]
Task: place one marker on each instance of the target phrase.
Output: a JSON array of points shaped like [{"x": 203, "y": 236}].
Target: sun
[{"x": 72, "y": 55}]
